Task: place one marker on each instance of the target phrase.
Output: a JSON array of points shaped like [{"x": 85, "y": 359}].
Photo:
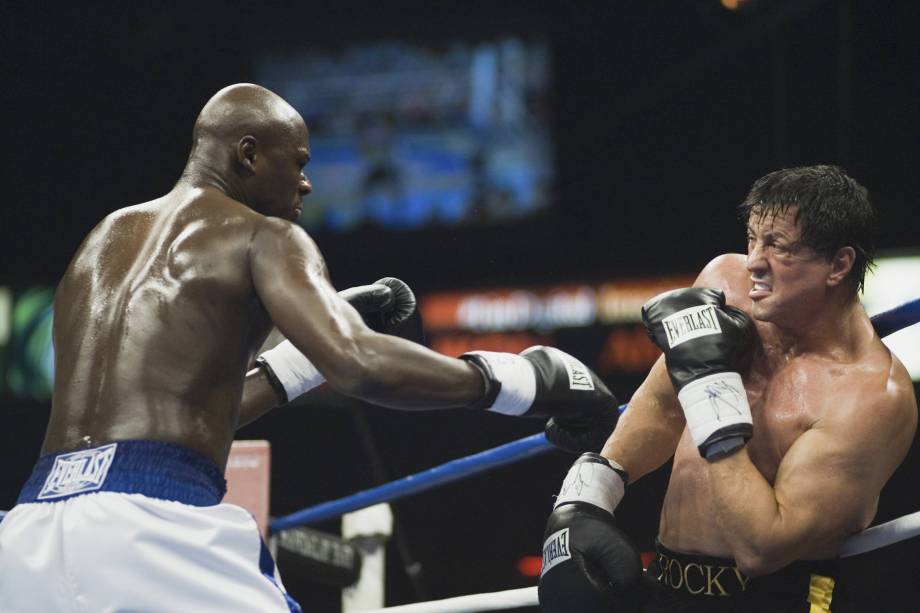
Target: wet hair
[{"x": 832, "y": 210}]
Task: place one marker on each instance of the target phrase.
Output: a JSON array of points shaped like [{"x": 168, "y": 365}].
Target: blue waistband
[{"x": 152, "y": 468}]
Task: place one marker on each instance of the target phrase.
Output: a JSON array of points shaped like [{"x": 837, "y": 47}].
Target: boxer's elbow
[
  {"x": 757, "y": 564},
  {"x": 770, "y": 554}
]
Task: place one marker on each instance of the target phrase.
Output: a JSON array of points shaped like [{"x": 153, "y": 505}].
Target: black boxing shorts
[{"x": 686, "y": 583}]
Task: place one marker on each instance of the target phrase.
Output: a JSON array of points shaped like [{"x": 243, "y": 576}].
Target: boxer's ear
[
  {"x": 246, "y": 152},
  {"x": 841, "y": 265}
]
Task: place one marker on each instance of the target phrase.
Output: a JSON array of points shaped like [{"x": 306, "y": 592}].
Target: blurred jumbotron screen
[{"x": 408, "y": 137}]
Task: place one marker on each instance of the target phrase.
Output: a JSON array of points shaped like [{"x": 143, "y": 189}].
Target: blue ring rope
[
  {"x": 520, "y": 449},
  {"x": 885, "y": 323},
  {"x": 898, "y": 318}
]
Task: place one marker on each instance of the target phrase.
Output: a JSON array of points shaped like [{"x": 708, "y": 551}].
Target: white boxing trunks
[{"x": 133, "y": 526}]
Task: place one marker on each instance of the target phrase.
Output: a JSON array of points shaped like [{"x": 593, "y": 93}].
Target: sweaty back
[{"x": 156, "y": 321}]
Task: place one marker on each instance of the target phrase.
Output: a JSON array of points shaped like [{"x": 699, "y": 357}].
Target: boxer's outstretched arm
[
  {"x": 648, "y": 432},
  {"x": 289, "y": 276},
  {"x": 826, "y": 487}
]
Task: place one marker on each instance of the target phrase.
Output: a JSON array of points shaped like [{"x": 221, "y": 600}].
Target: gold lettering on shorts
[
  {"x": 742, "y": 578},
  {"x": 662, "y": 566},
  {"x": 714, "y": 580},
  {"x": 687, "y": 578},
  {"x": 680, "y": 575}
]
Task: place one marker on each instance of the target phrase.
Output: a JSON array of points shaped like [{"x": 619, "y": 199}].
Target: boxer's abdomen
[{"x": 688, "y": 522}]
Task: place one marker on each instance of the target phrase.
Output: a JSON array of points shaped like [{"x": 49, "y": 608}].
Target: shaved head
[
  {"x": 253, "y": 146},
  {"x": 242, "y": 110}
]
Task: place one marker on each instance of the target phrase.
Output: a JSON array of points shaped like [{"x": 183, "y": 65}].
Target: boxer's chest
[{"x": 785, "y": 400}]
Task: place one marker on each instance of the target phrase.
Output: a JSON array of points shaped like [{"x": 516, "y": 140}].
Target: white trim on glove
[
  {"x": 596, "y": 483},
  {"x": 294, "y": 371},
  {"x": 518, "y": 380},
  {"x": 713, "y": 403}
]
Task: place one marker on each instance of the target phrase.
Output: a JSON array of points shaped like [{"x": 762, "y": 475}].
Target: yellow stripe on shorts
[{"x": 820, "y": 591}]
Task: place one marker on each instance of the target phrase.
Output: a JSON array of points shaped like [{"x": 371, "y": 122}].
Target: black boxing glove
[
  {"x": 386, "y": 306},
  {"x": 370, "y": 301},
  {"x": 704, "y": 343},
  {"x": 402, "y": 318},
  {"x": 589, "y": 565},
  {"x": 547, "y": 382}
]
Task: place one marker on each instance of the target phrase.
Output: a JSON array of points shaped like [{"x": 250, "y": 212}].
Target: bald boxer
[
  {"x": 157, "y": 320},
  {"x": 783, "y": 410}
]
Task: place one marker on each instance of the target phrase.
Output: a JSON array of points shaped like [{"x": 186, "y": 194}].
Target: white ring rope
[
  {"x": 882, "y": 535},
  {"x": 873, "y": 538},
  {"x": 492, "y": 601}
]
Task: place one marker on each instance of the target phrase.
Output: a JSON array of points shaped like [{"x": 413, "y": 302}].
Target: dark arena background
[{"x": 534, "y": 170}]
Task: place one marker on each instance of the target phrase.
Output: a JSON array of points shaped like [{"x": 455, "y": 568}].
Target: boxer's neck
[
  {"x": 834, "y": 330},
  {"x": 200, "y": 174}
]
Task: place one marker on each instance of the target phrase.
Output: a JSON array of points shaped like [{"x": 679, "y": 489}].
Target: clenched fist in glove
[
  {"x": 705, "y": 342},
  {"x": 547, "y": 382},
  {"x": 589, "y": 565}
]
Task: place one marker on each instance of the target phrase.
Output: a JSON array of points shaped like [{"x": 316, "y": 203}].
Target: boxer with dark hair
[
  {"x": 783, "y": 410},
  {"x": 157, "y": 319}
]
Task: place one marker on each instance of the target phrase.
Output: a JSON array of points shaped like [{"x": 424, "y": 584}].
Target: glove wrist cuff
[
  {"x": 510, "y": 379},
  {"x": 273, "y": 379},
  {"x": 291, "y": 369},
  {"x": 593, "y": 479},
  {"x": 716, "y": 406}
]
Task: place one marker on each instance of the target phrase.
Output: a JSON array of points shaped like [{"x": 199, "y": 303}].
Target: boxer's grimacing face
[{"x": 786, "y": 275}]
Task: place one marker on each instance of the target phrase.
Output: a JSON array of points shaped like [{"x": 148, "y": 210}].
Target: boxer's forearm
[
  {"x": 648, "y": 432},
  {"x": 259, "y": 397},
  {"x": 751, "y": 519},
  {"x": 399, "y": 374}
]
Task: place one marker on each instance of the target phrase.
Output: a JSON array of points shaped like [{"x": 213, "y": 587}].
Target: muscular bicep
[
  {"x": 290, "y": 278},
  {"x": 828, "y": 483}
]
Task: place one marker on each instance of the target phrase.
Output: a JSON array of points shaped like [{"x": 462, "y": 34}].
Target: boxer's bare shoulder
[{"x": 728, "y": 273}]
